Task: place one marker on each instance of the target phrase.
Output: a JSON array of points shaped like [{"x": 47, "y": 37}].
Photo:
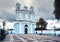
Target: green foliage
[
  {"x": 57, "y": 9},
  {"x": 42, "y": 23},
  {"x": 2, "y": 34}
]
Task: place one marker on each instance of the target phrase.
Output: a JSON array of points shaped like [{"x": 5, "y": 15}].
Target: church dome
[
  {"x": 31, "y": 7},
  {"x": 25, "y": 8},
  {"x": 18, "y": 4}
]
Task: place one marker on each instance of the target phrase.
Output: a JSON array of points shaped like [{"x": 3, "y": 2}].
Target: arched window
[{"x": 26, "y": 29}]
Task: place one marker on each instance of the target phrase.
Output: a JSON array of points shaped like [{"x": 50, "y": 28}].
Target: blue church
[{"x": 24, "y": 23}]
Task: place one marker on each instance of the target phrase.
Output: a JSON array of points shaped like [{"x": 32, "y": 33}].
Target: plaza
[{"x": 30, "y": 38}]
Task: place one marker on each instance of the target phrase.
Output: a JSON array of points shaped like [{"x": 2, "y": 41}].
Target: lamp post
[
  {"x": 0, "y": 31},
  {"x": 11, "y": 30},
  {"x": 54, "y": 30},
  {"x": 4, "y": 25}
]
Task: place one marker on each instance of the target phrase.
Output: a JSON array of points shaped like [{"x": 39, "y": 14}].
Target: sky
[{"x": 42, "y": 8}]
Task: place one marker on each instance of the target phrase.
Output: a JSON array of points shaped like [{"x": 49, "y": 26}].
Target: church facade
[{"x": 24, "y": 20}]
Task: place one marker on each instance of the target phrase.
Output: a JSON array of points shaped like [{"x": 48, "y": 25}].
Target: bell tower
[
  {"x": 32, "y": 12},
  {"x": 17, "y": 10}
]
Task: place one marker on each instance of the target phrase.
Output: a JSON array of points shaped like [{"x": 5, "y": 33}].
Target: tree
[
  {"x": 2, "y": 34},
  {"x": 37, "y": 24},
  {"x": 41, "y": 25},
  {"x": 57, "y": 9}
]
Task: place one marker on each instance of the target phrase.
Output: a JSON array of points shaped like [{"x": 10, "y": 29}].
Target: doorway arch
[{"x": 26, "y": 29}]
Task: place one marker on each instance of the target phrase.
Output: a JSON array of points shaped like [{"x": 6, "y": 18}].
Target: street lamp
[
  {"x": 54, "y": 30},
  {"x": 4, "y": 25},
  {"x": 11, "y": 30}
]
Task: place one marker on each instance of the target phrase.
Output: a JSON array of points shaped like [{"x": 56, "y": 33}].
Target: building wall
[
  {"x": 26, "y": 16},
  {"x": 20, "y": 29},
  {"x": 16, "y": 29}
]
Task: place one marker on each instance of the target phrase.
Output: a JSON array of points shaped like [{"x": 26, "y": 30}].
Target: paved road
[{"x": 30, "y": 38}]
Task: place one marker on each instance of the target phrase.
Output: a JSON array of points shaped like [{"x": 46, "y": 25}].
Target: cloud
[
  {"x": 42, "y": 8},
  {"x": 53, "y": 24},
  {"x": 9, "y": 25},
  {"x": 7, "y": 10}
]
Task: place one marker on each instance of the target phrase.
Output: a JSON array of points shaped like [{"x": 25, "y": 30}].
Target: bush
[
  {"x": 2, "y": 34},
  {"x": 59, "y": 35}
]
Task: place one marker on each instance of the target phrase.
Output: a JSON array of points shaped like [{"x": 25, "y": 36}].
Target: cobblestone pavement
[{"x": 30, "y": 38}]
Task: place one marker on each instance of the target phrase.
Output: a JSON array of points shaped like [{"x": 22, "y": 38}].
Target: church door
[{"x": 26, "y": 31}]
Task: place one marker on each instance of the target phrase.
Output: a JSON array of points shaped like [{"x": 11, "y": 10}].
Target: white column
[
  {"x": 31, "y": 29},
  {"x": 26, "y": 16},
  {"x": 20, "y": 28},
  {"x": 23, "y": 15},
  {"x": 31, "y": 16},
  {"x": 34, "y": 27},
  {"x": 20, "y": 15},
  {"x": 17, "y": 16}
]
